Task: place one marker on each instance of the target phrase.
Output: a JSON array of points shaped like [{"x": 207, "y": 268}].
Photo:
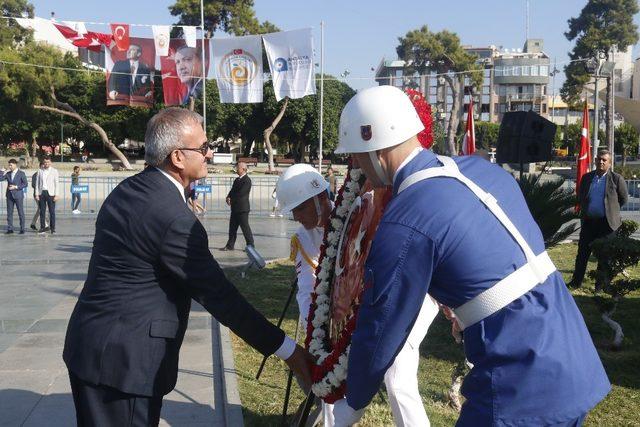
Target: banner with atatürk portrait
[
  {"x": 182, "y": 76},
  {"x": 238, "y": 68},
  {"x": 130, "y": 73}
]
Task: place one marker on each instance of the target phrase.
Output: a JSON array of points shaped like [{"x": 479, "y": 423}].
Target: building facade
[{"x": 513, "y": 80}]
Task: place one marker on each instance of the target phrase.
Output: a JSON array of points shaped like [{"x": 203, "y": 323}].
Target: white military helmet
[
  {"x": 297, "y": 184},
  {"x": 377, "y": 118}
]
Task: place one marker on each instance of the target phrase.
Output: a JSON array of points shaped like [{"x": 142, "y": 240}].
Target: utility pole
[
  {"x": 553, "y": 83},
  {"x": 611, "y": 106},
  {"x": 596, "y": 107}
]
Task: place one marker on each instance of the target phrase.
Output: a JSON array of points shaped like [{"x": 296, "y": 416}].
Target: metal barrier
[{"x": 214, "y": 190}]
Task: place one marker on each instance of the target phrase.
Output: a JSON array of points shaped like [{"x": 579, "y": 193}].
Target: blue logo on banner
[
  {"x": 75, "y": 189},
  {"x": 203, "y": 189},
  {"x": 280, "y": 64}
]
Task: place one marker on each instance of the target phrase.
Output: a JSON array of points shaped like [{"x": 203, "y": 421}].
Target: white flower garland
[{"x": 319, "y": 318}]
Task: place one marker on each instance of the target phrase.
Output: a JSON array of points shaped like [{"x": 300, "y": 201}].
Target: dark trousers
[
  {"x": 19, "y": 205},
  {"x": 239, "y": 219},
  {"x": 75, "y": 201},
  {"x": 46, "y": 201},
  {"x": 99, "y": 405},
  {"x": 590, "y": 230}
]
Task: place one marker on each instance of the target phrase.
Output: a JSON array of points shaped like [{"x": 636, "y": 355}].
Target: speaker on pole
[{"x": 525, "y": 137}]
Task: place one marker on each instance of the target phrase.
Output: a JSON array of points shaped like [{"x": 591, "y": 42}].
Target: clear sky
[{"x": 359, "y": 33}]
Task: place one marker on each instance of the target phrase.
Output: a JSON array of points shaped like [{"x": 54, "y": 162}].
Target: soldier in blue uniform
[{"x": 460, "y": 230}]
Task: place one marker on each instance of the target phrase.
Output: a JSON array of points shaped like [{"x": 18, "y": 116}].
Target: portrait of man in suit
[
  {"x": 130, "y": 78},
  {"x": 16, "y": 183},
  {"x": 238, "y": 199},
  {"x": 189, "y": 70},
  {"x": 150, "y": 258}
]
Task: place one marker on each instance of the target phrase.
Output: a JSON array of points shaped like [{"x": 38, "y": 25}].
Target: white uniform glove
[{"x": 344, "y": 415}]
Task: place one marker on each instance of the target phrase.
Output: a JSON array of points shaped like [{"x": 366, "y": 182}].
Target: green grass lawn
[{"x": 262, "y": 400}]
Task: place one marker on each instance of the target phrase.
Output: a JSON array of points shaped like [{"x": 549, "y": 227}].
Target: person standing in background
[
  {"x": 16, "y": 182},
  {"x": 238, "y": 199},
  {"x": 36, "y": 215},
  {"x": 75, "y": 197},
  {"x": 47, "y": 187}
]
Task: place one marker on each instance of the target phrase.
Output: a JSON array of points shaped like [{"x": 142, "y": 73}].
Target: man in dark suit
[
  {"x": 602, "y": 193},
  {"x": 16, "y": 182},
  {"x": 238, "y": 199},
  {"x": 150, "y": 258},
  {"x": 131, "y": 76}
]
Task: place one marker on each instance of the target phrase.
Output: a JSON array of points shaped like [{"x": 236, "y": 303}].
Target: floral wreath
[{"x": 330, "y": 371}]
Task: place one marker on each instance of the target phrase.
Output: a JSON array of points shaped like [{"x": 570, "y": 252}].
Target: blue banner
[
  {"x": 75, "y": 189},
  {"x": 203, "y": 189}
]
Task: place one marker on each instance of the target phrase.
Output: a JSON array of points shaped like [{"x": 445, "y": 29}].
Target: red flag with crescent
[
  {"x": 121, "y": 36},
  {"x": 584, "y": 156}
]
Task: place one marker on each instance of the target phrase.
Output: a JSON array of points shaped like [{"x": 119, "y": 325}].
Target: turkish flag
[
  {"x": 584, "y": 156},
  {"x": 469, "y": 141},
  {"x": 121, "y": 36},
  {"x": 91, "y": 40}
]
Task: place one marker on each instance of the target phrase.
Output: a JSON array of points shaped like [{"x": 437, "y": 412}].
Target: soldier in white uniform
[{"x": 303, "y": 191}]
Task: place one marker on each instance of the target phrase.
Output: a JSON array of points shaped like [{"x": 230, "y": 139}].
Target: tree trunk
[
  {"x": 457, "y": 95},
  {"x": 624, "y": 155},
  {"x": 617, "y": 329},
  {"x": 34, "y": 148},
  {"x": 268, "y": 131},
  {"x": 67, "y": 110}
]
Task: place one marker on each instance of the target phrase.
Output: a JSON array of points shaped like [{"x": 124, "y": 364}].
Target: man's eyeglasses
[{"x": 203, "y": 149}]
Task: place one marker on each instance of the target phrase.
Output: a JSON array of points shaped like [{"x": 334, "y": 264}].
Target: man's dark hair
[
  {"x": 604, "y": 152},
  {"x": 46, "y": 157},
  {"x": 14, "y": 161}
]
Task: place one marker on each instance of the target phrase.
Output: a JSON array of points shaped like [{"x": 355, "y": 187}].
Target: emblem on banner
[
  {"x": 365, "y": 132},
  {"x": 238, "y": 67},
  {"x": 280, "y": 65}
]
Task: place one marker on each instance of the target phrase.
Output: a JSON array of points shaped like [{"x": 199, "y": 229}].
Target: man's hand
[
  {"x": 55, "y": 198},
  {"x": 228, "y": 201},
  {"x": 37, "y": 198},
  {"x": 113, "y": 94},
  {"x": 344, "y": 415},
  {"x": 300, "y": 363},
  {"x": 456, "y": 330},
  {"x": 12, "y": 187}
]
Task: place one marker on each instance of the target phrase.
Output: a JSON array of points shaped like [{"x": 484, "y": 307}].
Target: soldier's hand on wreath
[
  {"x": 228, "y": 200},
  {"x": 344, "y": 415},
  {"x": 300, "y": 363},
  {"x": 456, "y": 330}
]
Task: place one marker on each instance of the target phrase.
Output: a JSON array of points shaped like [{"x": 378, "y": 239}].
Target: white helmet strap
[
  {"x": 373, "y": 155},
  {"x": 316, "y": 202}
]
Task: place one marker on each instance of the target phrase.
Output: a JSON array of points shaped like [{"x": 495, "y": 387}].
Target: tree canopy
[{"x": 600, "y": 25}]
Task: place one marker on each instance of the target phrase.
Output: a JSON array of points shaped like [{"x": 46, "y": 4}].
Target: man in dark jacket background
[
  {"x": 16, "y": 182},
  {"x": 150, "y": 257},
  {"x": 238, "y": 199},
  {"x": 602, "y": 193}
]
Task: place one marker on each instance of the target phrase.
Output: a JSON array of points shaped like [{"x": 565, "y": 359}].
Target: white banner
[
  {"x": 189, "y": 35},
  {"x": 290, "y": 55},
  {"x": 238, "y": 67},
  {"x": 161, "y": 39}
]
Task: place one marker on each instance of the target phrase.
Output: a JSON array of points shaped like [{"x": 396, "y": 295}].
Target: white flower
[
  {"x": 341, "y": 372},
  {"x": 349, "y": 197},
  {"x": 336, "y": 223},
  {"x": 323, "y": 275},
  {"x": 333, "y": 237},
  {"x": 333, "y": 380},
  {"x": 318, "y": 333},
  {"x": 331, "y": 252},
  {"x": 322, "y": 288},
  {"x": 342, "y": 211},
  {"x": 322, "y": 299},
  {"x": 355, "y": 174},
  {"x": 327, "y": 263}
]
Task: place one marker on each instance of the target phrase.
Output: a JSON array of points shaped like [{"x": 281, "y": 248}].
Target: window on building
[
  {"x": 498, "y": 70},
  {"x": 525, "y": 70},
  {"x": 516, "y": 71},
  {"x": 534, "y": 70},
  {"x": 618, "y": 79},
  {"x": 507, "y": 71},
  {"x": 398, "y": 73},
  {"x": 484, "y": 108},
  {"x": 484, "y": 117},
  {"x": 544, "y": 70},
  {"x": 486, "y": 99},
  {"x": 503, "y": 108},
  {"x": 544, "y": 108}
]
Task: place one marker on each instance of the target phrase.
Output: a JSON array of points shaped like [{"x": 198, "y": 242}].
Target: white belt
[
  {"x": 505, "y": 291},
  {"x": 512, "y": 287}
]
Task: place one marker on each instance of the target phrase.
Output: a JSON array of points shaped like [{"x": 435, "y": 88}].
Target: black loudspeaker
[{"x": 525, "y": 137}]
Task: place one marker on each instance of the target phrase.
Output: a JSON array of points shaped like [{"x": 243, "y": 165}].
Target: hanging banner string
[{"x": 58, "y": 20}]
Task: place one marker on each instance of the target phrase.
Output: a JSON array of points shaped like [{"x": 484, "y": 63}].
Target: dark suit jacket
[
  {"x": 150, "y": 258},
  {"x": 239, "y": 194},
  {"x": 20, "y": 179},
  {"x": 615, "y": 196},
  {"x": 121, "y": 83}
]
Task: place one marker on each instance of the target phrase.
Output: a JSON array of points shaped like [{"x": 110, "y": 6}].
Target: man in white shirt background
[{"x": 47, "y": 190}]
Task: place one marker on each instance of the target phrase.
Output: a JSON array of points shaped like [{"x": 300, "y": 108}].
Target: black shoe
[
  {"x": 33, "y": 227},
  {"x": 53, "y": 231},
  {"x": 8, "y": 232},
  {"x": 572, "y": 284},
  {"x": 42, "y": 231},
  {"x": 21, "y": 231},
  {"x": 225, "y": 249},
  {"x": 47, "y": 229}
]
